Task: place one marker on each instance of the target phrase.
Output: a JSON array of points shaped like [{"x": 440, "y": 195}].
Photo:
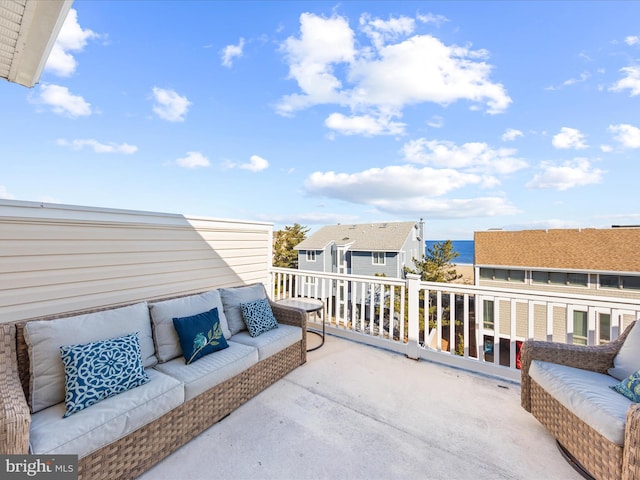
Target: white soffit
[{"x": 28, "y": 31}]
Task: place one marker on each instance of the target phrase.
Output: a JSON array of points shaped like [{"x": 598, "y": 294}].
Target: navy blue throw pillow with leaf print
[
  {"x": 258, "y": 316},
  {"x": 200, "y": 335},
  {"x": 99, "y": 370}
]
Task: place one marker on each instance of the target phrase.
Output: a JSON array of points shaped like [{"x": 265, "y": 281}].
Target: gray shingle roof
[{"x": 375, "y": 237}]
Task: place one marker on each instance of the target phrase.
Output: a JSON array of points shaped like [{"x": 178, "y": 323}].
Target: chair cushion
[
  {"x": 107, "y": 421},
  {"x": 200, "y": 335},
  {"x": 272, "y": 341},
  {"x": 211, "y": 370},
  {"x": 163, "y": 313},
  {"x": 98, "y": 370},
  {"x": 587, "y": 395},
  {"x": 627, "y": 361},
  {"x": 233, "y": 297},
  {"x": 258, "y": 317},
  {"x": 45, "y": 337}
]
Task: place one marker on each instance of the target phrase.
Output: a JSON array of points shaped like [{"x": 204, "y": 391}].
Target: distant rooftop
[
  {"x": 603, "y": 250},
  {"x": 387, "y": 237}
]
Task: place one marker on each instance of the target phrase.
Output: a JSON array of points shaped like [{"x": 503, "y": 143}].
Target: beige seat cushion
[
  {"x": 272, "y": 341},
  {"x": 210, "y": 370},
  {"x": 587, "y": 395},
  {"x": 45, "y": 337},
  {"x": 105, "y": 422},
  {"x": 163, "y": 313}
]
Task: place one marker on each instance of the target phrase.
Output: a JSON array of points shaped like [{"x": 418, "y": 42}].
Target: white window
[
  {"x": 377, "y": 258},
  {"x": 311, "y": 255}
]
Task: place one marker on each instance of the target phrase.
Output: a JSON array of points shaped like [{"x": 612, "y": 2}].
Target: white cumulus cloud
[
  {"x": 627, "y": 135},
  {"x": 631, "y": 81},
  {"x": 193, "y": 160},
  {"x": 62, "y": 101},
  {"x": 472, "y": 156},
  {"x": 366, "y": 125},
  {"x": 396, "y": 68},
  {"x": 72, "y": 39},
  {"x": 98, "y": 147},
  {"x": 569, "y": 138},
  {"x": 256, "y": 164},
  {"x": 169, "y": 105},
  {"x": 510, "y": 134},
  {"x": 232, "y": 51},
  {"x": 632, "y": 40},
  {"x": 570, "y": 174}
]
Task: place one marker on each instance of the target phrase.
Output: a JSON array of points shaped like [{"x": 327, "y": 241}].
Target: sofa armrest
[
  {"x": 631, "y": 454},
  {"x": 15, "y": 418},
  {"x": 290, "y": 316},
  {"x": 597, "y": 358}
]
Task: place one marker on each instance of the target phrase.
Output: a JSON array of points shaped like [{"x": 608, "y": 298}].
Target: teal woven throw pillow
[
  {"x": 258, "y": 316},
  {"x": 630, "y": 387},
  {"x": 99, "y": 370},
  {"x": 200, "y": 335}
]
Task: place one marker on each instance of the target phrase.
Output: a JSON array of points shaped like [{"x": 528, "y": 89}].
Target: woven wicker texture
[
  {"x": 603, "y": 459},
  {"x": 137, "y": 452}
]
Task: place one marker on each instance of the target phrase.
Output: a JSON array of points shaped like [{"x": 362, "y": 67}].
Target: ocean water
[{"x": 463, "y": 247}]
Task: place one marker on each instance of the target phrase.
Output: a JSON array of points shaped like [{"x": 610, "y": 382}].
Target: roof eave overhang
[{"x": 39, "y": 28}]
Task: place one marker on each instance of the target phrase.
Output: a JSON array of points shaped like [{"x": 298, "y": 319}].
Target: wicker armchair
[{"x": 600, "y": 458}]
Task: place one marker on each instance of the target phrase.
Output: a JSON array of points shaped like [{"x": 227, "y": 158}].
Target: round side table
[{"x": 309, "y": 305}]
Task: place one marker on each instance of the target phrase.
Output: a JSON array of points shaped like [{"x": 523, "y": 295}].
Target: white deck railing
[{"x": 416, "y": 317}]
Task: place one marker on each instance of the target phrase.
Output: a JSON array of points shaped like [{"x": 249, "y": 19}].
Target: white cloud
[
  {"x": 255, "y": 164},
  {"x": 393, "y": 182},
  {"x": 169, "y": 105},
  {"x": 382, "y": 31},
  {"x": 573, "y": 173},
  {"x": 4, "y": 194},
  {"x": 437, "y": 20},
  {"x": 381, "y": 79},
  {"x": 97, "y": 146},
  {"x": 569, "y": 138},
  {"x": 451, "y": 208},
  {"x": 510, "y": 134},
  {"x": 631, "y": 81},
  {"x": 632, "y": 40},
  {"x": 63, "y": 102},
  {"x": 436, "y": 122},
  {"x": 366, "y": 125},
  {"x": 627, "y": 135},
  {"x": 72, "y": 38},
  {"x": 232, "y": 51},
  {"x": 193, "y": 160},
  {"x": 473, "y": 156},
  {"x": 606, "y": 148}
]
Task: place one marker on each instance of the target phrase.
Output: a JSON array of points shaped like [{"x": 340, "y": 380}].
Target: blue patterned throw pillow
[
  {"x": 258, "y": 316},
  {"x": 630, "y": 387},
  {"x": 99, "y": 370},
  {"x": 200, "y": 335}
]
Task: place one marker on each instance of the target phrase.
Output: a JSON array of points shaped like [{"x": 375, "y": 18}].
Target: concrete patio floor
[{"x": 354, "y": 411}]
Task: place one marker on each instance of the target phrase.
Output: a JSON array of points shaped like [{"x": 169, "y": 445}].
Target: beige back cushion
[
  {"x": 163, "y": 313},
  {"x": 233, "y": 297},
  {"x": 627, "y": 361},
  {"x": 45, "y": 337}
]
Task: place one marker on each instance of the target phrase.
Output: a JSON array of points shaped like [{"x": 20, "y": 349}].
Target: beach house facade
[
  {"x": 578, "y": 262},
  {"x": 363, "y": 249}
]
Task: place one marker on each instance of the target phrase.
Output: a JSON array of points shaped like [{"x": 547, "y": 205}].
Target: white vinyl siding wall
[{"x": 56, "y": 259}]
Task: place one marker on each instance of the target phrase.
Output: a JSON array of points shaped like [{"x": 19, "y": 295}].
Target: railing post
[{"x": 413, "y": 287}]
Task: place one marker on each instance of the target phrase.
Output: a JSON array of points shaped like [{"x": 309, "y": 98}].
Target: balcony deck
[{"x": 355, "y": 411}]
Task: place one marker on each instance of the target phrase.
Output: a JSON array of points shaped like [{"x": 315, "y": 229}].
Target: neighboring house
[
  {"x": 598, "y": 262},
  {"x": 363, "y": 249}
]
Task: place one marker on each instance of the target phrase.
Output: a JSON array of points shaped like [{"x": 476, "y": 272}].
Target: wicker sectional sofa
[
  {"x": 569, "y": 390},
  {"x": 124, "y": 435}
]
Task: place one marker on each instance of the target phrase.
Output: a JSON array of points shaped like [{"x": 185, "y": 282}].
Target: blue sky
[{"x": 471, "y": 115}]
